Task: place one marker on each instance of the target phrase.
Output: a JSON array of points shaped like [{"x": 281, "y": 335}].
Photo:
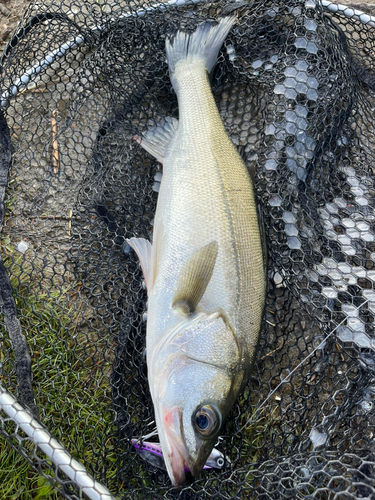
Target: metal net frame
[{"x": 295, "y": 86}]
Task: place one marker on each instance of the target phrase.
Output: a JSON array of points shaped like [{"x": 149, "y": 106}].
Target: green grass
[
  {"x": 19, "y": 481},
  {"x": 69, "y": 379}
]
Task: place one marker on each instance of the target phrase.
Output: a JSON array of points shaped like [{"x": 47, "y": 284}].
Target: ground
[
  {"x": 12, "y": 482},
  {"x": 10, "y": 14}
]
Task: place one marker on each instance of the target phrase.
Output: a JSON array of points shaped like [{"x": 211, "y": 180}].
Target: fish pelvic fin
[
  {"x": 148, "y": 254},
  {"x": 194, "y": 278},
  {"x": 143, "y": 249},
  {"x": 204, "y": 43},
  {"x": 157, "y": 138}
]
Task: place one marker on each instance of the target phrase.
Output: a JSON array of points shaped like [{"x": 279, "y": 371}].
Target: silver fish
[{"x": 204, "y": 271}]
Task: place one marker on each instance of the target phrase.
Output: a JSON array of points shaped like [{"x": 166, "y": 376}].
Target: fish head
[{"x": 195, "y": 376}]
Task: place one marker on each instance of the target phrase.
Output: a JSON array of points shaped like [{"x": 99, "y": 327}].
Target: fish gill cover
[{"x": 295, "y": 86}]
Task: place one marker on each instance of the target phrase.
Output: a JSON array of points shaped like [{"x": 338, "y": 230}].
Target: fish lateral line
[{"x": 221, "y": 367}]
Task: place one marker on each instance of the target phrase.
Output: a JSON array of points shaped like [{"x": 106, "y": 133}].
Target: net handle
[
  {"x": 32, "y": 72},
  {"x": 349, "y": 12},
  {"x": 54, "y": 450}
]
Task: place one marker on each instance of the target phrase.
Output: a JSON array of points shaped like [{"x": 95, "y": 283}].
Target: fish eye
[{"x": 206, "y": 420}]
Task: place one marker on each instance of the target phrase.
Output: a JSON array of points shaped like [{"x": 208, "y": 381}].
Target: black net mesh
[{"x": 295, "y": 88}]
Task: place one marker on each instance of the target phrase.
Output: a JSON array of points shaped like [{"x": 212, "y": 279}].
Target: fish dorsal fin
[
  {"x": 195, "y": 277},
  {"x": 244, "y": 155},
  {"x": 143, "y": 249},
  {"x": 263, "y": 238}
]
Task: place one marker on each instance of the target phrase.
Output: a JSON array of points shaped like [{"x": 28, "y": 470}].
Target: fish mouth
[
  {"x": 176, "y": 468},
  {"x": 175, "y": 454}
]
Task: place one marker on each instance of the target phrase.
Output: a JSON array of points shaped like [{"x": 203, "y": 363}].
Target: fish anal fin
[
  {"x": 195, "y": 277},
  {"x": 143, "y": 249},
  {"x": 156, "y": 139}
]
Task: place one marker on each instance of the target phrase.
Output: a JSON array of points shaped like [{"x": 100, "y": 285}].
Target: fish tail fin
[{"x": 204, "y": 43}]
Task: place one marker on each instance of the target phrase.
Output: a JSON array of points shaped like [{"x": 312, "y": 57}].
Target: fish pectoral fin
[
  {"x": 143, "y": 249},
  {"x": 195, "y": 277},
  {"x": 157, "y": 139}
]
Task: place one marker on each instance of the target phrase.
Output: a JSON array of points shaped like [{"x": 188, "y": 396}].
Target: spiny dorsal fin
[
  {"x": 263, "y": 238},
  {"x": 195, "y": 277}
]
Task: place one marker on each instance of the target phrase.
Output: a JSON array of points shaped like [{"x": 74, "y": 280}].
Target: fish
[{"x": 204, "y": 270}]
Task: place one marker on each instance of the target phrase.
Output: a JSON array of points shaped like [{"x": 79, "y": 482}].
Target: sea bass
[{"x": 204, "y": 271}]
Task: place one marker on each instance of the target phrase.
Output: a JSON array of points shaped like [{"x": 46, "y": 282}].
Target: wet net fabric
[{"x": 295, "y": 86}]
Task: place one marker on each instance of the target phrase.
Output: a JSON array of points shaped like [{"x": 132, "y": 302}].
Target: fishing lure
[{"x": 151, "y": 453}]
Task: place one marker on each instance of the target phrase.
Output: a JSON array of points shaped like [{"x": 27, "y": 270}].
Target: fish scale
[
  {"x": 206, "y": 188},
  {"x": 204, "y": 272}
]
